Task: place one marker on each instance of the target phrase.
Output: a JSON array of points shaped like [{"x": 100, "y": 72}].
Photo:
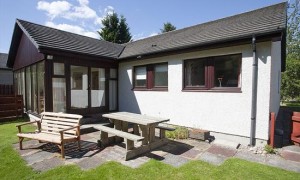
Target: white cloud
[
  {"x": 73, "y": 29},
  {"x": 55, "y": 8},
  {"x": 80, "y": 14}
]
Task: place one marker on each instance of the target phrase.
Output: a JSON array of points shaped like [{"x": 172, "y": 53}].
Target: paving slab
[
  {"x": 192, "y": 153},
  {"x": 211, "y": 158},
  {"x": 174, "y": 160},
  {"x": 291, "y": 153},
  {"x": 38, "y": 157},
  {"x": 135, "y": 163},
  {"x": 48, "y": 164},
  {"x": 91, "y": 163},
  {"x": 222, "y": 150},
  {"x": 279, "y": 162},
  {"x": 249, "y": 156}
]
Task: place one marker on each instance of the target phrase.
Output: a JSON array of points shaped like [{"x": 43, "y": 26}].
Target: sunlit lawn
[{"x": 12, "y": 166}]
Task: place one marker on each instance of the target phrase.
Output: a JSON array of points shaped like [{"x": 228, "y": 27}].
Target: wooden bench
[
  {"x": 162, "y": 130},
  {"x": 57, "y": 128},
  {"x": 129, "y": 139}
]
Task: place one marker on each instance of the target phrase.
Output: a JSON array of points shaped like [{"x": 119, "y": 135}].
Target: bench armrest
[
  {"x": 67, "y": 129},
  {"x": 27, "y": 123},
  {"x": 20, "y": 125},
  {"x": 62, "y": 131}
]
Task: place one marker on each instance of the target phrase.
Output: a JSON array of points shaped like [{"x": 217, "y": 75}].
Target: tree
[
  {"x": 114, "y": 29},
  {"x": 290, "y": 83},
  {"x": 168, "y": 27}
]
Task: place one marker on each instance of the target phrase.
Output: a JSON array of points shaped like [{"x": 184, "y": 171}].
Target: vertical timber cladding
[
  {"x": 78, "y": 60},
  {"x": 27, "y": 54}
]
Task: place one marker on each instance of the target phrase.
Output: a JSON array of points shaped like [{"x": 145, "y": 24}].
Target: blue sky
[{"x": 145, "y": 18}]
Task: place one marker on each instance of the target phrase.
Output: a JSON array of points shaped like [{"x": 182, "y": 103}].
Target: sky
[{"x": 144, "y": 18}]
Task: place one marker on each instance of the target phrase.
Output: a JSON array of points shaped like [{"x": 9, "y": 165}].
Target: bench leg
[
  {"x": 129, "y": 144},
  {"x": 104, "y": 138},
  {"x": 79, "y": 144},
  {"x": 20, "y": 142},
  {"x": 136, "y": 129},
  {"x": 162, "y": 133},
  {"x": 62, "y": 149}
]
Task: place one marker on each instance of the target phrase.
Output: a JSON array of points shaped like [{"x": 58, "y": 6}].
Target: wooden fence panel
[
  {"x": 6, "y": 89},
  {"x": 11, "y": 106}
]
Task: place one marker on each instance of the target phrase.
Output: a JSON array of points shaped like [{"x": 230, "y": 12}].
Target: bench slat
[
  {"x": 59, "y": 126},
  {"x": 44, "y": 137},
  {"x": 59, "y": 123},
  {"x": 60, "y": 119},
  {"x": 76, "y": 116},
  {"x": 119, "y": 133},
  {"x": 54, "y": 129},
  {"x": 58, "y": 134}
]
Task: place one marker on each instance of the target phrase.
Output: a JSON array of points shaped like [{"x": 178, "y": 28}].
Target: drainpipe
[{"x": 254, "y": 93}]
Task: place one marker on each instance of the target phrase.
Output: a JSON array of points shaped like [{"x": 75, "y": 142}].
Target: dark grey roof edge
[
  {"x": 221, "y": 19},
  {"x": 281, "y": 29},
  {"x": 24, "y": 30},
  {"x": 249, "y": 36}
]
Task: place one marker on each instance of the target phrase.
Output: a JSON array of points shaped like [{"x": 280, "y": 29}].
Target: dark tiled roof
[
  {"x": 3, "y": 60},
  {"x": 261, "y": 21},
  {"x": 49, "y": 38}
]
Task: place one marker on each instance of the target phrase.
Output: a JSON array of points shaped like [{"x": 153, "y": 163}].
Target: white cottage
[{"x": 222, "y": 76}]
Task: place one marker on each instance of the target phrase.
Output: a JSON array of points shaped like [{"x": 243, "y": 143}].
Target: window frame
[
  {"x": 150, "y": 77},
  {"x": 209, "y": 86}
]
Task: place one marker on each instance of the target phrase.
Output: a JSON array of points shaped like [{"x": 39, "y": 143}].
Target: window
[
  {"x": 140, "y": 76},
  {"x": 151, "y": 77},
  {"x": 58, "y": 69},
  {"x": 213, "y": 73}
]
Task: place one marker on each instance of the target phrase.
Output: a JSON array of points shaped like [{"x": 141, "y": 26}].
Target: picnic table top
[{"x": 135, "y": 118}]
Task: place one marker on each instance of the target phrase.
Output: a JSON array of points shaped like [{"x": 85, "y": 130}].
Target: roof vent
[{"x": 154, "y": 45}]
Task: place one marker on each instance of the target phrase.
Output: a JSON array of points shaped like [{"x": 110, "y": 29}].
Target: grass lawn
[{"x": 12, "y": 166}]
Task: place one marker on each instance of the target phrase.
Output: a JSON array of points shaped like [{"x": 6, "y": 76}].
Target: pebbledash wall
[{"x": 225, "y": 113}]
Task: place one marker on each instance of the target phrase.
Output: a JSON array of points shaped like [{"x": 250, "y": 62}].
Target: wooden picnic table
[{"x": 143, "y": 125}]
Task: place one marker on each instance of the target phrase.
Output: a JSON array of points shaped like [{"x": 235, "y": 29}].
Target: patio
[{"x": 45, "y": 156}]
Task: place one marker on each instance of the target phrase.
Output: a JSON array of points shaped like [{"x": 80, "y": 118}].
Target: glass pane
[
  {"x": 28, "y": 88},
  {"x": 161, "y": 75},
  {"x": 140, "y": 76},
  {"x": 58, "y": 68},
  {"x": 34, "y": 88},
  {"x": 22, "y": 91},
  {"x": 41, "y": 87},
  {"x": 59, "y": 94},
  {"x": 195, "y": 72},
  {"x": 113, "y": 89},
  {"x": 227, "y": 71},
  {"x": 98, "y": 87},
  {"x": 79, "y": 87},
  {"x": 113, "y": 73}
]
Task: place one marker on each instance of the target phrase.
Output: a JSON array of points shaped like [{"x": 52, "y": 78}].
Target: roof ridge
[
  {"x": 64, "y": 31},
  {"x": 208, "y": 22}
]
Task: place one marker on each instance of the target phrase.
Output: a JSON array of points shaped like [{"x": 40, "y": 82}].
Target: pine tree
[
  {"x": 114, "y": 29},
  {"x": 168, "y": 27}
]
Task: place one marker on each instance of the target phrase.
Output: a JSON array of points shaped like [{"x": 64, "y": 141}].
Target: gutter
[{"x": 254, "y": 93}]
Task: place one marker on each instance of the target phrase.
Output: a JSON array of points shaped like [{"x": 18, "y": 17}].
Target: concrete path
[{"x": 45, "y": 156}]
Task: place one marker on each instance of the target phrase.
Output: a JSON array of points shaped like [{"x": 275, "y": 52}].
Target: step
[{"x": 291, "y": 153}]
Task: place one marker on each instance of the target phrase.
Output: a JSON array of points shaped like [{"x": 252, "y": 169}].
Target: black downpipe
[{"x": 254, "y": 93}]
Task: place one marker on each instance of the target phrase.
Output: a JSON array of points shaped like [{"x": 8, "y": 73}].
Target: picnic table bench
[
  {"x": 57, "y": 128},
  {"x": 145, "y": 124}
]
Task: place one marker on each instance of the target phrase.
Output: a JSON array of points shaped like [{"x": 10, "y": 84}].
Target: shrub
[
  {"x": 269, "y": 149},
  {"x": 179, "y": 133}
]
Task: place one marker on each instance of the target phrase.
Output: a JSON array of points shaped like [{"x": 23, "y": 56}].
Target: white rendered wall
[
  {"x": 215, "y": 111},
  {"x": 275, "y": 77}
]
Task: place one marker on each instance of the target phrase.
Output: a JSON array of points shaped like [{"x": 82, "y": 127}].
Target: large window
[
  {"x": 79, "y": 87},
  {"x": 213, "y": 73},
  {"x": 151, "y": 77}
]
